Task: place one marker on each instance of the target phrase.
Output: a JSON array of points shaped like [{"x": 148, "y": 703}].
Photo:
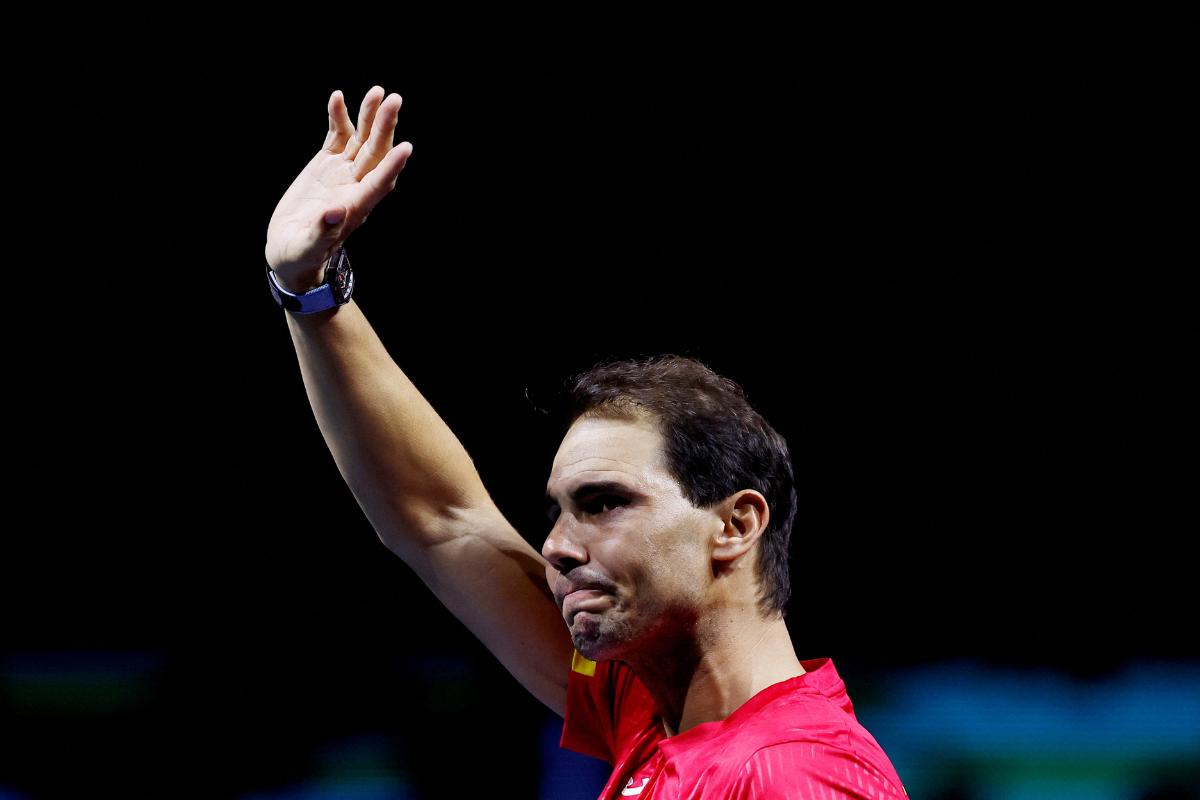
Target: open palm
[{"x": 334, "y": 193}]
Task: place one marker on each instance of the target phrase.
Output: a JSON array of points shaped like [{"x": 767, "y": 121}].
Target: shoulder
[
  {"x": 801, "y": 769},
  {"x": 797, "y": 712},
  {"x": 805, "y": 742}
]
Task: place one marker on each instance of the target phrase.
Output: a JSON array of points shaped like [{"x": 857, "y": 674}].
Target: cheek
[
  {"x": 682, "y": 539},
  {"x": 677, "y": 559}
]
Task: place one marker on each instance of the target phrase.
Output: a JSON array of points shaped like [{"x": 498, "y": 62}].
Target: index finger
[{"x": 381, "y": 180}]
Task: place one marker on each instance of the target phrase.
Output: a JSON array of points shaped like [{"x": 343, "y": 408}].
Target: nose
[{"x": 562, "y": 547}]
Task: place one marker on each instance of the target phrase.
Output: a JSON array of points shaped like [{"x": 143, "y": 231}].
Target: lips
[
  {"x": 584, "y": 599},
  {"x": 580, "y": 591}
]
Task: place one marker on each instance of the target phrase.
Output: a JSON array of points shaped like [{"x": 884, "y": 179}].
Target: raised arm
[{"x": 408, "y": 471}]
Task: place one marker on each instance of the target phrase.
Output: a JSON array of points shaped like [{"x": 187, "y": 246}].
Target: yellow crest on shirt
[{"x": 582, "y": 665}]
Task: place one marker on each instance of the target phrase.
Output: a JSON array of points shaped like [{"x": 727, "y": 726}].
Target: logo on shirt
[{"x": 630, "y": 790}]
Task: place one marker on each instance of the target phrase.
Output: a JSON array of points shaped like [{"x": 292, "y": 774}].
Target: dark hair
[{"x": 716, "y": 444}]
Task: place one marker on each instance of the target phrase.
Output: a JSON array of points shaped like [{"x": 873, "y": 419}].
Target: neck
[{"x": 729, "y": 659}]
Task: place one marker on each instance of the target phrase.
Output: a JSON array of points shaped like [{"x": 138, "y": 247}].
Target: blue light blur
[{"x": 969, "y": 730}]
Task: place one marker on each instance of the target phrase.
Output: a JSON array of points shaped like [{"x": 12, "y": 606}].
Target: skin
[
  {"x": 356, "y": 167},
  {"x": 648, "y": 578},
  {"x": 643, "y": 576},
  {"x": 627, "y": 532},
  {"x": 409, "y": 473}
]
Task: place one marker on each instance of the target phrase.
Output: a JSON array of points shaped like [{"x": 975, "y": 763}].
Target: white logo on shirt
[{"x": 630, "y": 790}]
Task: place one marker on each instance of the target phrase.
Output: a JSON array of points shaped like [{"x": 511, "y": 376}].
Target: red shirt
[{"x": 795, "y": 739}]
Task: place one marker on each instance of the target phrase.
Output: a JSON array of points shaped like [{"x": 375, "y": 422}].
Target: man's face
[{"x": 628, "y": 555}]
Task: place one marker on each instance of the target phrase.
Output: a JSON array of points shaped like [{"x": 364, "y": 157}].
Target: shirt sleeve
[
  {"x": 812, "y": 771},
  {"x": 606, "y": 706}
]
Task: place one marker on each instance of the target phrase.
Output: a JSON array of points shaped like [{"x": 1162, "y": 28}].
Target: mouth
[{"x": 584, "y": 600}]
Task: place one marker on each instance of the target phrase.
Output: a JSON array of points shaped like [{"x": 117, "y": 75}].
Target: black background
[{"x": 947, "y": 257}]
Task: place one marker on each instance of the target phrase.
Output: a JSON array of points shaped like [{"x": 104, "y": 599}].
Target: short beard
[
  {"x": 671, "y": 632},
  {"x": 601, "y": 640}
]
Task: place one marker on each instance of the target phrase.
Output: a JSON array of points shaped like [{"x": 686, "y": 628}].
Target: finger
[
  {"x": 341, "y": 131},
  {"x": 383, "y": 130},
  {"x": 366, "y": 113},
  {"x": 382, "y": 179}
]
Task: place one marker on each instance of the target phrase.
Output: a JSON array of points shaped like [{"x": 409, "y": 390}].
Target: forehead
[{"x": 632, "y": 448}]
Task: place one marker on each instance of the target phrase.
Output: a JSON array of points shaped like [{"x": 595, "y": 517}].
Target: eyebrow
[{"x": 585, "y": 490}]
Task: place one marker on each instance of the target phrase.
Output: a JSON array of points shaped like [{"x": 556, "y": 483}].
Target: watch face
[{"x": 341, "y": 277}]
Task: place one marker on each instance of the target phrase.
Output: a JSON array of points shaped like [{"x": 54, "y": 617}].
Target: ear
[{"x": 744, "y": 516}]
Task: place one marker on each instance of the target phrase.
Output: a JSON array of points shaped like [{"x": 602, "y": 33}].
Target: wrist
[
  {"x": 300, "y": 279},
  {"x": 333, "y": 288}
]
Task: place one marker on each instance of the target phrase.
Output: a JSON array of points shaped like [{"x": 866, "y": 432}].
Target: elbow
[{"x": 415, "y": 531}]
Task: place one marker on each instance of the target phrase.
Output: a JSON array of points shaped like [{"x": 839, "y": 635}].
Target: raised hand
[{"x": 339, "y": 187}]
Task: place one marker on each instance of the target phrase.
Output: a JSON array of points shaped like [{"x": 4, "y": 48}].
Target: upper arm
[{"x": 494, "y": 582}]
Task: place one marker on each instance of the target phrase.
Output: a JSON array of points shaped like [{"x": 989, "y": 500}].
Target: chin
[
  {"x": 594, "y": 650},
  {"x": 598, "y": 639}
]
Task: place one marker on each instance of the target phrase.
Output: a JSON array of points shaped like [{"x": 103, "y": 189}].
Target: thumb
[
  {"x": 332, "y": 219},
  {"x": 326, "y": 230}
]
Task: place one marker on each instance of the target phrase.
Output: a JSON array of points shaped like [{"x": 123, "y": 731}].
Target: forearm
[
  {"x": 406, "y": 468},
  {"x": 404, "y": 465}
]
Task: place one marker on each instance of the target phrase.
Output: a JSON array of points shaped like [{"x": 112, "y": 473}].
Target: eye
[
  {"x": 552, "y": 512},
  {"x": 602, "y": 503}
]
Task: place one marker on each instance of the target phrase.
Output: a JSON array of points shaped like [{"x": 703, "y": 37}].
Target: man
[{"x": 672, "y": 502}]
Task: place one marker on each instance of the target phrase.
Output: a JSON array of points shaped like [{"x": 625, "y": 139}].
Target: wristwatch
[{"x": 333, "y": 291}]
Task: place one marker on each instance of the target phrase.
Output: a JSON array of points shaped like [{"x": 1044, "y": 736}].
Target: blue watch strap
[
  {"x": 319, "y": 299},
  {"x": 335, "y": 289}
]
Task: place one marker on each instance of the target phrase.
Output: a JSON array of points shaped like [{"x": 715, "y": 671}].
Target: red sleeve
[
  {"x": 802, "y": 770},
  {"x": 607, "y": 706}
]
